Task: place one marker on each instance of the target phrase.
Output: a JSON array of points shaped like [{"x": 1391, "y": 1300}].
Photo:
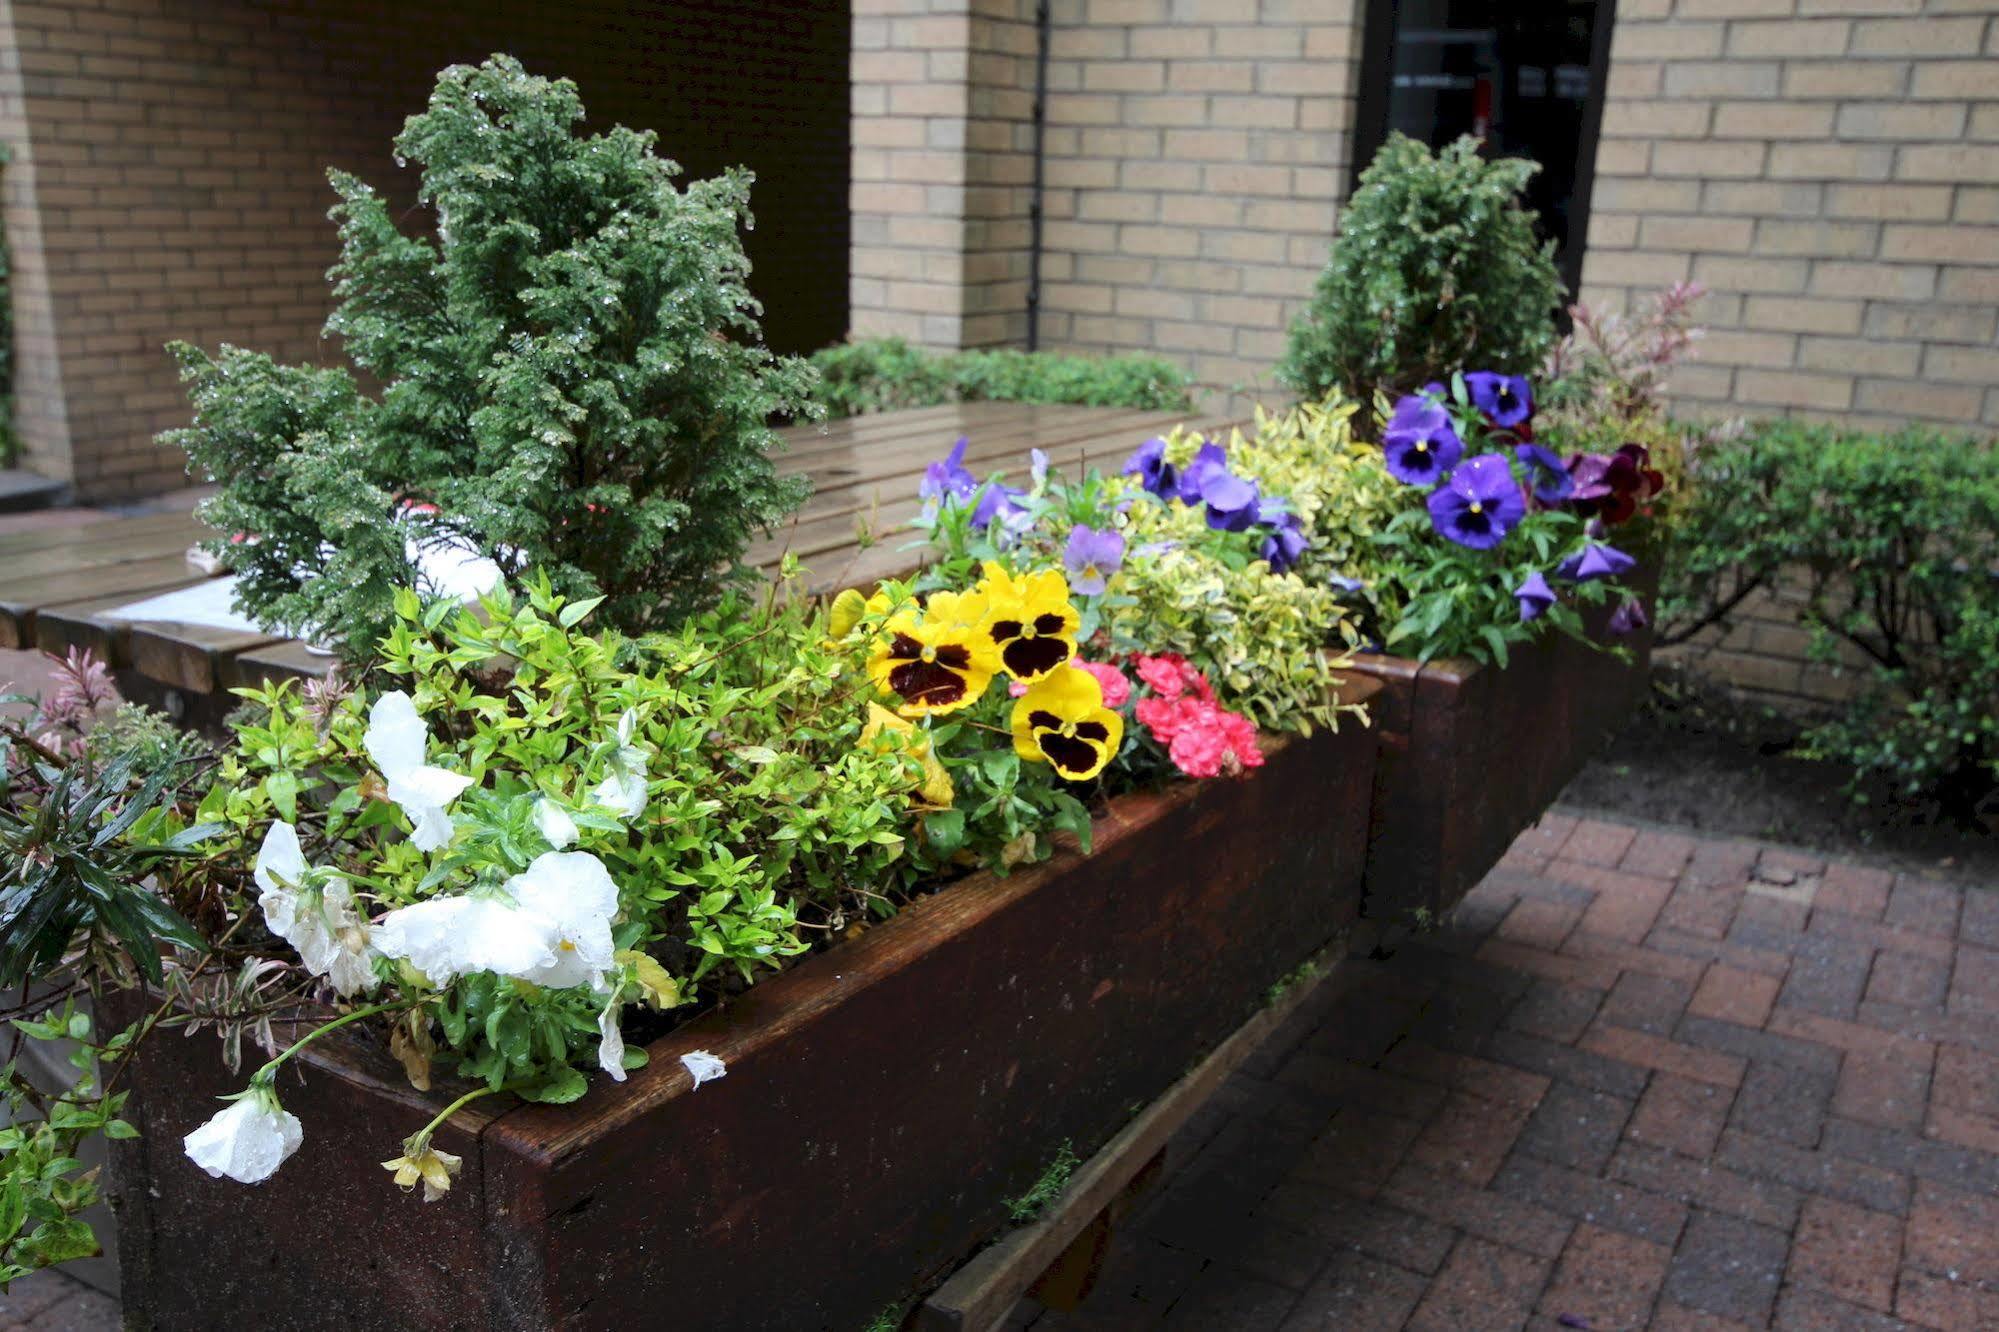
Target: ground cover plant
[
  {"x": 572, "y": 381},
  {"x": 887, "y": 374},
  {"x": 1436, "y": 266},
  {"x": 1890, "y": 538}
]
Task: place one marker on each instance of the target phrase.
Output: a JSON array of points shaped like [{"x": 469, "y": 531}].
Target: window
[{"x": 1527, "y": 77}]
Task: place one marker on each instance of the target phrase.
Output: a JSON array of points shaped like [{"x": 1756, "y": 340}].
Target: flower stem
[
  {"x": 452, "y": 1109},
  {"x": 265, "y": 1073}
]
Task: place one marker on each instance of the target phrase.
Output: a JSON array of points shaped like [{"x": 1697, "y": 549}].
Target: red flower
[{"x": 1169, "y": 675}]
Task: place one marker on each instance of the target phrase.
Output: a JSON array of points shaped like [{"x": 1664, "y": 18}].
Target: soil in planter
[{"x": 1693, "y": 758}]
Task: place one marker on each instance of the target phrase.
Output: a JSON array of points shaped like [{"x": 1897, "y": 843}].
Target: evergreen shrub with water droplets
[{"x": 570, "y": 370}]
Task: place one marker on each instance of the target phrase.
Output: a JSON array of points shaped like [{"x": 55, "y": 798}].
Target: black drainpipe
[{"x": 1041, "y": 27}]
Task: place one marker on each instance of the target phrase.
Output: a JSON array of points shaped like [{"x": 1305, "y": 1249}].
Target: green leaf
[
  {"x": 574, "y": 613},
  {"x": 945, "y": 830},
  {"x": 564, "y": 1085}
]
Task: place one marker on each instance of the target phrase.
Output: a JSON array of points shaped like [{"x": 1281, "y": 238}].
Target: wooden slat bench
[{"x": 58, "y": 587}]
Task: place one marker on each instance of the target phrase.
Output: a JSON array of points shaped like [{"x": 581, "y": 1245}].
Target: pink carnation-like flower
[
  {"x": 1165, "y": 717},
  {"x": 1117, "y": 689},
  {"x": 1170, "y": 675},
  {"x": 1199, "y": 751},
  {"x": 1016, "y": 688}
]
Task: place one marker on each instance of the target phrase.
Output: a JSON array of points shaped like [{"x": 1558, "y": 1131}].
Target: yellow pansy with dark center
[
  {"x": 1031, "y": 624},
  {"x": 936, "y": 660},
  {"x": 1062, "y": 721}
]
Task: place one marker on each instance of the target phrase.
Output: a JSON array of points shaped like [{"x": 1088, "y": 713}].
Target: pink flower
[
  {"x": 1117, "y": 689},
  {"x": 1169, "y": 675},
  {"x": 1202, "y": 738},
  {"x": 1165, "y": 717},
  {"x": 1016, "y": 688},
  {"x": 1198, "y": 751}
]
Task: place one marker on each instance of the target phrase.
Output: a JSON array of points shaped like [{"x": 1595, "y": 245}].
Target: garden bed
[{"x": 884, "y": 1099}]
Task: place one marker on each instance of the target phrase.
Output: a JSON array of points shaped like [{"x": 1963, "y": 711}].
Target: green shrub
[
  {"x": 571, "y": 372},
  {"x": 1436, "y": 268},
  {"x": 1892, "y": 538},
  {"x": 887, "y": 374}
]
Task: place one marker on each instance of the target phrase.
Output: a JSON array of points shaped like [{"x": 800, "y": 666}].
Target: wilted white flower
[
  {"x": 555, "y": 930},
  {"x": 554, "y": 823},
  {"x": 611, "y": 1048},
  {"x": 322, "y": 923},
  {"x": 623, "y": 792},
  {"x": 248, "y": 1140},
  {"x": 703, "y": 1067},
  {"x": 421, "y": 1161},
  {"x": 396, "y": 740}
]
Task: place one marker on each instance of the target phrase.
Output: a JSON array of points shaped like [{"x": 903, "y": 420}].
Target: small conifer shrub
[
  {"x": 1436, "y": 266},
  {"x": 567, "y": 376}
]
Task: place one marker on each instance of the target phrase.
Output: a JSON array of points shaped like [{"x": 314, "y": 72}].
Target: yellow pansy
[
  {"x": 936, "y": 789},
  {"x": 1030, "y": 622},
  {"x": 936, "y": 660},
  {"x": 1063, "y": 721}
]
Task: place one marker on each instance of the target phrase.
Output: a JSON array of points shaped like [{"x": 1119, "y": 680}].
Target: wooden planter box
[
  {"x": 1471, "y": 755},
  {"x": 883, "y": 1100}
]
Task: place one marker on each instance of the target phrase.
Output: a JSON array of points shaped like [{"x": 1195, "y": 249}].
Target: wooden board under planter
[
  {"x": 884, "y": 1098},
  {"x": 1470, "y": 755}
]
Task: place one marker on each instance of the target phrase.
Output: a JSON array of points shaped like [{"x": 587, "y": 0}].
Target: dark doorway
[{"x": 1526, "y": 76}]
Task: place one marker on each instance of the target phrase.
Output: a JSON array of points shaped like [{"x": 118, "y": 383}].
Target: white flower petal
[
  {"x": 396, "y": 735},
  {"x": 280, "y": 860},
  {"x": 703, "y": 1067},
  {"x": 247, "y": 1141},
  {"x": 623, "y": 792},
  {"x": 448, "y": 937},
  {"x": 628, "y": 724},
  {"x": 573, "y": 891},
  {"x": 430, "y": 822},
  {"x": 611, "y": 1048},
  {"x": 554, "y": 823}
]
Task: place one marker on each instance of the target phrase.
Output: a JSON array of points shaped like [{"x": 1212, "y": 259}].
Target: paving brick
[
  {"x": 1908, "y": 982},
  {"x": 1567, "y": 1064},
  {"x": 1722, "y": 863},
  {"x": 1551, "y": 966},
  {"x": 1980, "y": 921},
  {"x": 1784, "y": 1101},
  {"x": 1891, "y": 1090},
  {"x": 1539, "y": 924},
  {"x": 1606, "y": 1280},
  {"x": 1226, "y": 1297},
  {"x": 1855, "y": 890},
  {"x": 1680, "y": 1115},
  {"x": 1663, "y": 1055},
  {"x": 1848, "y": 1251},
  {"x": 1646, "y": 1003},
  {"x": 1387, "y": 1233},
  {"x": 1932, "y": 1300},
  {"x": 1702, "y": 1183},
  {"x": 1822, "y": 1172},
  {"x": 1781, "y": 912},
  {"x": 1626, "y": 911},
  {"x": 1967, "y": 1079},
  {"x": 1809, "y": 1309},
  {"x": 1697, "y": 909},
  {"x": 1734, "y": 995},
  {"x": 1470, "y": 1137},
  {"x": 1575, "y": 1127},
  {"x": 1954, "y": 1233},
  {"x": 1728, "y": 1266},
  {"x": 1974, "y": 984},
  {"x": 1911, "y": 1153},
  {"x": 1595, "y": 842},
  {"x": 1658, "y": 853},
  {"x": 1485, "y": 1285},
  {"x": 1626, "y": 1208},
  {"x": 1355, "y": 1291},
  {"x": 1922, "y": 905},
  {"x": 1445, "y": 1200},
  {"x": 1704, "y": 948},
  {"x": 1614, "y": 954},
  {"x": 1554, "y": 1011},
  {"x": 1358, "y": 1151},
  {"x": 1675, "y": 1317},
  {"x": 1827, "y": 976}
]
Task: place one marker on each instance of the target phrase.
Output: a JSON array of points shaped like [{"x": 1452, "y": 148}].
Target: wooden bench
[{"x": 58, "y": 587}]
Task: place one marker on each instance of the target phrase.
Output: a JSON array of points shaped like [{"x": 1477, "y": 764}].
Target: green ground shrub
[
  {"x": 1895, "y": 538},
  {"x": 887, "y": 374},
  {"x": 1436, "y": 268}
]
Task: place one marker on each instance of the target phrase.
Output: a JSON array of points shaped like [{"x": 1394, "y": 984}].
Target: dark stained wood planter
[
  {"x": 883, "y": 1099},
  {"x": 1471, "y": 755}
]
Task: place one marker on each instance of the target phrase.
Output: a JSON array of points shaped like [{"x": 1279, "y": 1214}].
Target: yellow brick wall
[{"x": 1829, "y": 169}]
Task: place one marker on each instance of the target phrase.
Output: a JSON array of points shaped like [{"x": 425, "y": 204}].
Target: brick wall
[
  {"x": 173, "y": 173},
  {"x": 1830, "y": 170}
]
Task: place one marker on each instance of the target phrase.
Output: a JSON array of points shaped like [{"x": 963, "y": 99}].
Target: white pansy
[
  {"x": 623, "y": 792},
  {"x": 554, "y": 823},
  {"x": 321, "y": 923},
  {"x": 703, "y": 1067},
  {"x": 396, "y": 740},
  {"x": 611, "y": 1046},
  {"x": 556, "y": 930},
  {"x": 247, "y": 1141}
]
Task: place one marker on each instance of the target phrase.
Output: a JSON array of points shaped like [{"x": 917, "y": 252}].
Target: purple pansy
[
  {"x": 1091, "y": 558},
  {"x": 948, "y": 478},
  {"x": 1506, "y": 400},
  {"x": 1342, "y": 583},
  {"x": 1234, "y": 505},
  {"x": 1285, "y": 543},
  {"x": 1419, "y": 444},
  {"x": 1596, "y": 560},
  {"x": 1037, "y": 466},
  {"x": 1209, "y": 460},
  {"x": 999, "y": 502},
  {"x": 1534, "y": 596},
  {"x": 1480, "y": 503},
  {"x": 1629, "y": 618},
  {"x": 1546, "y": 473},
  {"x": 1148, "y": 463}
]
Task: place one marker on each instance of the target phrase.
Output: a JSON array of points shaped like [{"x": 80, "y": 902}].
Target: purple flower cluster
[
  {"x": 1234, "y": 503},
  {"x": 948, "y": 481}
]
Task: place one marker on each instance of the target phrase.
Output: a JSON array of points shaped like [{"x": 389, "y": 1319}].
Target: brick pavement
[{"x": 1639, "y": 1079}]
